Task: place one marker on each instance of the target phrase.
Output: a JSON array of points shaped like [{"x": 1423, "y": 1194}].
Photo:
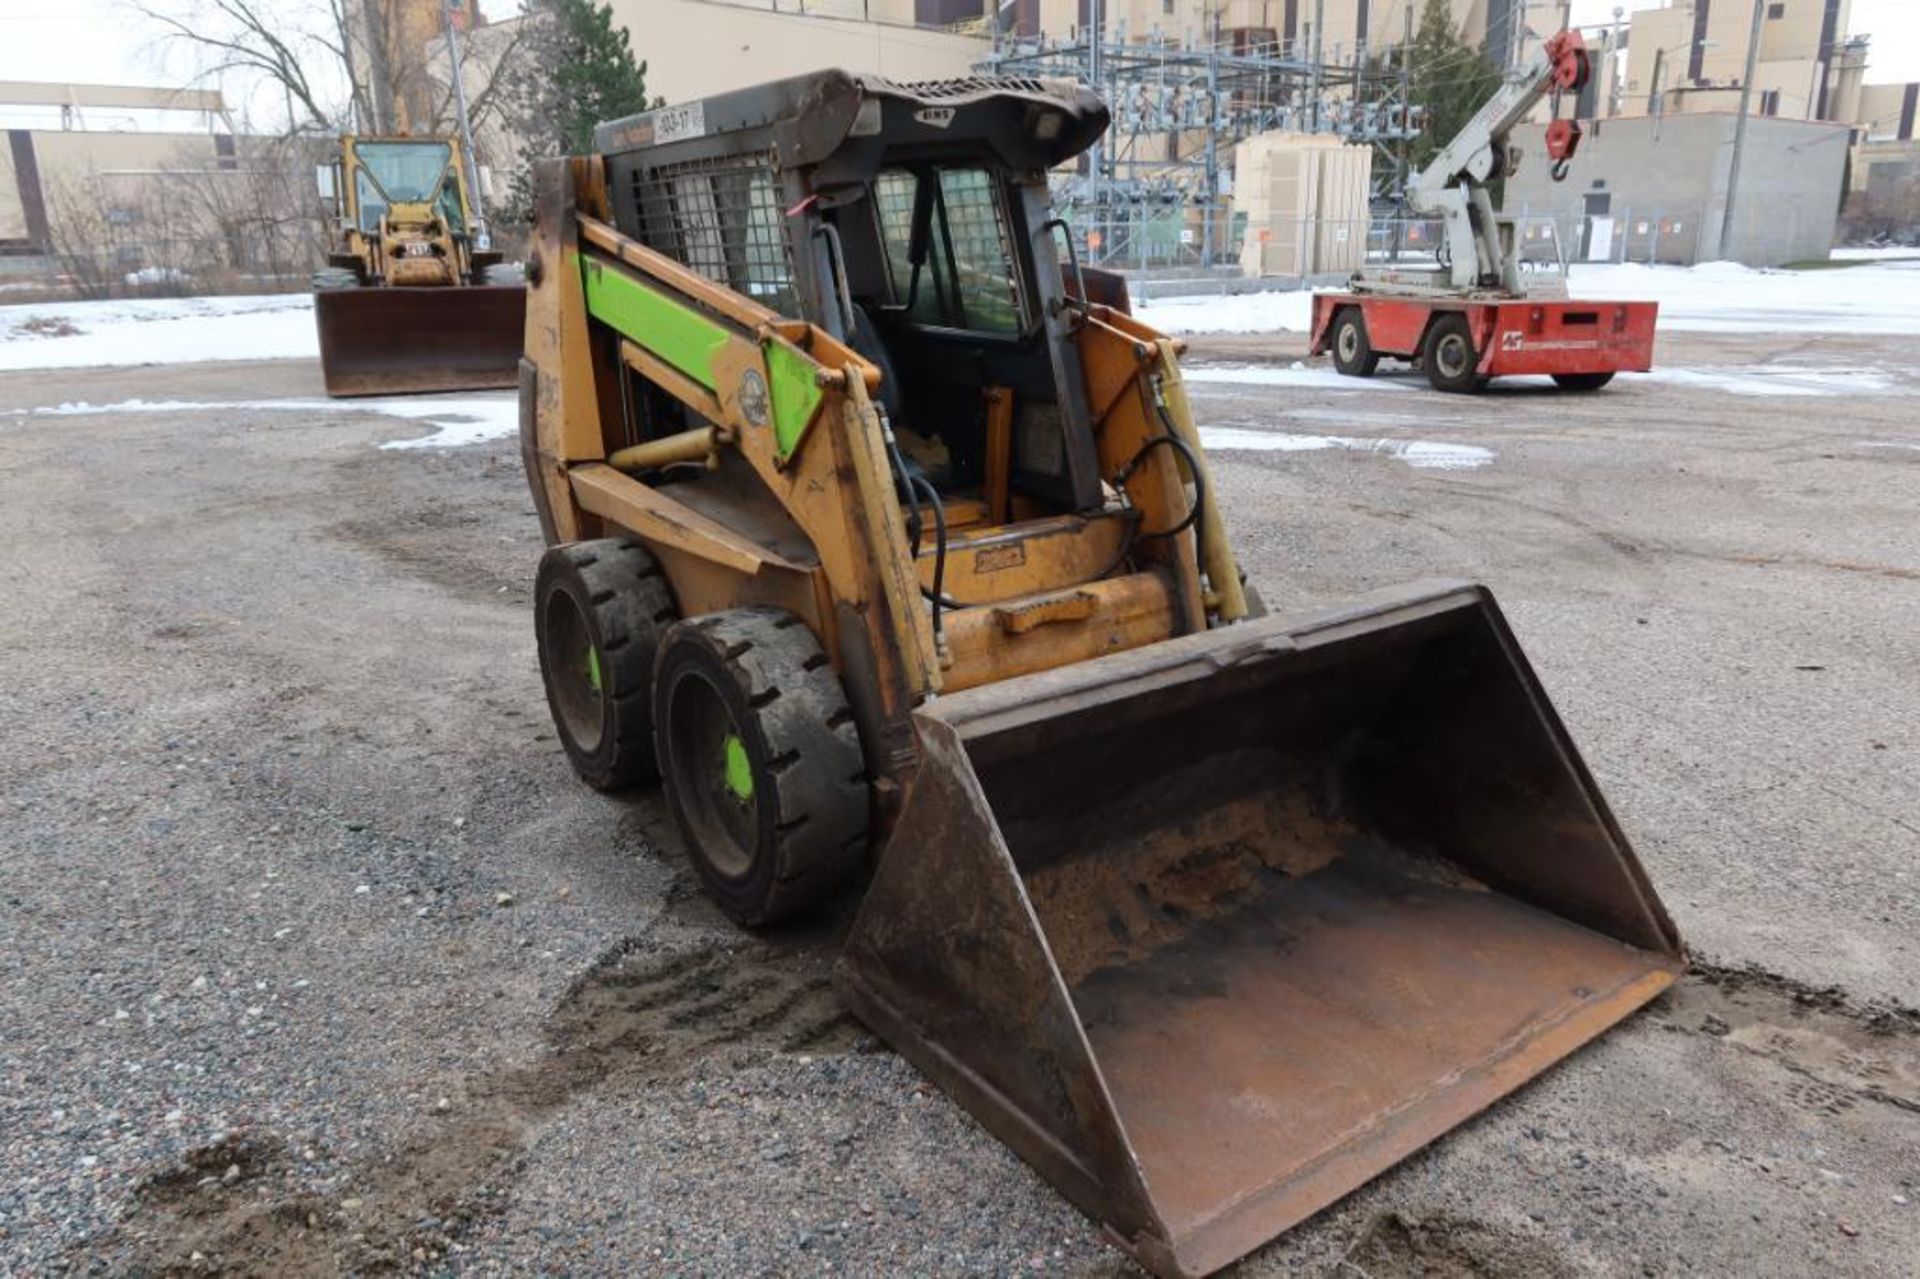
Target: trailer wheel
[
  {"x": 328, "y": 278},
  {"x": 762, "y": 762},
  {"x": 1353, "y": 353},
  {"x": 1581, "y": 381},
  {"x": 600, "y": 609},
  {"x": 1451, "y": 362}
]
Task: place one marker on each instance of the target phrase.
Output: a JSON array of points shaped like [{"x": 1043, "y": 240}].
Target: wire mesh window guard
[
  {"x": 723, "y": 219},
  {"x": 969, "y": 280}
]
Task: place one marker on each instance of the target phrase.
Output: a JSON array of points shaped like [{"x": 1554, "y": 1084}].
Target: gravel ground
[{"x": 317, "y": 959}]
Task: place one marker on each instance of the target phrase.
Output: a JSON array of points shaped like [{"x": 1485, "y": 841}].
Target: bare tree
[
  {"x": 206, "y": 221},
  {"x": 359, "y": 64},
  {"x": 306, "y": 55}
]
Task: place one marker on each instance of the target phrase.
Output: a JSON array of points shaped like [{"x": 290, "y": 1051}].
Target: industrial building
[
  {"x": 1647, "y": 189},
  {"x": 1690, "y": 57},
  {"x": 106, "y": 187}
]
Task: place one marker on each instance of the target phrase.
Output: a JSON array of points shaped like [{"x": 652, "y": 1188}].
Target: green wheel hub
[
  {"x": 593, "y": 667},
  {"x": 737, "y": 767}
]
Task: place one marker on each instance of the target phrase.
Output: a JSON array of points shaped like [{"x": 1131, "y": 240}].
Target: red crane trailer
[{"x": 1461, "y": 343}]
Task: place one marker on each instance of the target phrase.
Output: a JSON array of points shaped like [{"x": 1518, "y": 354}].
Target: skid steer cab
[{"x": 882, "y": 536}]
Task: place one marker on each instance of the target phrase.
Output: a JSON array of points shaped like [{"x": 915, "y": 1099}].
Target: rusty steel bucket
[
  {"x": 1214, "y": 931},
  {"x": 379, "y": 341}
]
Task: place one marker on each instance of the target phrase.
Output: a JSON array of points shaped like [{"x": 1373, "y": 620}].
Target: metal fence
[
  {"x": 1173, "y": 239},
  {"x": 1177, "y": 238}
]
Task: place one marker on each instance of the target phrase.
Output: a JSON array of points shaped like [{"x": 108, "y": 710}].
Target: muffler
[
  {"x": 1215, "y": 931},
  {"x": 401, "y": 341}
]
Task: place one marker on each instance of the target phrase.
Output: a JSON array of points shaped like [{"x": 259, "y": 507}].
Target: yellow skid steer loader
[
  {"x": 881, "y": 533},
  {"x": 411, "y": 299}
]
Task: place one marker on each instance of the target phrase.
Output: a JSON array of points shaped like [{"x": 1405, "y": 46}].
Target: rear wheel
[
  {"x": 600, "y": 609},
  {"x": 1353, "y": 353},
  {"x": 1451, "y": 362},
  {"x": 328, "y": 278},
  {"x": 1581, "y": 381},
  {"x": 761, "y": 760}
]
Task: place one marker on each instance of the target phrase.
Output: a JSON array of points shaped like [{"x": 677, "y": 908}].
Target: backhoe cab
[
  {"x": 412, "y": 298},
  {"x": 883, "y": 536}
]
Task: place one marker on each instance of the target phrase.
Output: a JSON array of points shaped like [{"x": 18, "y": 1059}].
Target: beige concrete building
[
  {"x": 105, "y": 209},
  {"x": 693, "y": 48},
  {"x": 1691, "y": 57}
]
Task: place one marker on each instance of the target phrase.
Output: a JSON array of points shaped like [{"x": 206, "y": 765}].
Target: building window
[
  {"x": 1166, "y": 6},
  {"x": 1770, "y": 102},
  {"x": 1776, "y": 11}
]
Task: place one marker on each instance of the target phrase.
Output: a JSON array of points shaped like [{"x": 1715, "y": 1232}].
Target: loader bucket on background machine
[
  {"x": 398, "y": 341},
  {"x": 1213, "y": 932}
]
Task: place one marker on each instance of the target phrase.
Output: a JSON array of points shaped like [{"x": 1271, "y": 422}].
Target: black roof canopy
[{"x": 845, "y": 123}]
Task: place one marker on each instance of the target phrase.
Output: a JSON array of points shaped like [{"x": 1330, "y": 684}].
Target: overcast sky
[{"x": 105, "y": 41}]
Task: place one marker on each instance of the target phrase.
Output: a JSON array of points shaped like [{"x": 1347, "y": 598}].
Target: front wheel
[
  {"x": 1353, "y": 352},
  {"x": 761, "y": 760},
  {"x": 1451, "y": 362},
  {"x": 1581, "y": 381}
]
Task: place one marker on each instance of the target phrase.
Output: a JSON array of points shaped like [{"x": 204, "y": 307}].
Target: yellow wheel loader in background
[
  {"x": 890, "y": 548},
  {"x": 411, "y": 299}
]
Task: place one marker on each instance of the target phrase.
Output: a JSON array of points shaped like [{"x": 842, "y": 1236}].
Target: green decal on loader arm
[
  {"x": 795, "y": 394},
  {"x": 674, "y": 331}
]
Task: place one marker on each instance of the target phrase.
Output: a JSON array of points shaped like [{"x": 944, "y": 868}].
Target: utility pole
[
  {"x": 1406, "y": 116},
  {"x": 1613, "y": 63},
  {"x": 1213, "y": 147},
  {"x": 1319, "y": 15},
  {"x": 1740, "y": 125},
  {"x": 482, "y": 238},
  {"x": 1096, "y": 14}
]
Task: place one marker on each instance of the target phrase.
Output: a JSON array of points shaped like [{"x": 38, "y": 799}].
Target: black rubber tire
[
  {"x": 761, "y": 760},
  {"x": 328, "y": 278},
  {"x": 1581, "y": 381},
  {"x": 1353, "y": 353},
  {"x": 600, "y": 610},
  {"x": 1449, "y": 357},
  {"x": 509, "y": 275}
]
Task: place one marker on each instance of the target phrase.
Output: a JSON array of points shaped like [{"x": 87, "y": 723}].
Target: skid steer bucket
[
  {"x": 400, "y": 341},
  {"x": 1214, "y": 931}
]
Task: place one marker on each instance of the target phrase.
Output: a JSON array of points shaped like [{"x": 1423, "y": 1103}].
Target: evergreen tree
[
  {"x": 573, "y": 70},
  {"x": 1447, "y": 76}
]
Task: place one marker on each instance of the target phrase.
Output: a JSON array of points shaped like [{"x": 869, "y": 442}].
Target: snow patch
[
  {"x": 1296, "y": 374},
  {"x": 1882, "y": 296},
  {"x": 1784, "y": 379},
  {"x": 1424, "y": 455},
  {"x": 1725, "y": 297},
  {"x": 1289, "y": 309},
  {"x": 457, "y": 420},
  {"x": 1897, "y": 253},
  {"x": 130, "y": 331}
]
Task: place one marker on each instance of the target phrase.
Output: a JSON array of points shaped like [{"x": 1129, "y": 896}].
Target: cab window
[{"x": 969, "y": 279}]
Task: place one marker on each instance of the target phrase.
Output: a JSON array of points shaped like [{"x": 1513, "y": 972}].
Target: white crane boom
[{"x": 1453, "y": 185}]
